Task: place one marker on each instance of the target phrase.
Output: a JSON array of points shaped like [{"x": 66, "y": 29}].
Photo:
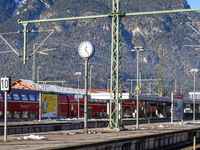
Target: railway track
[{"x": 182, "y": 146}]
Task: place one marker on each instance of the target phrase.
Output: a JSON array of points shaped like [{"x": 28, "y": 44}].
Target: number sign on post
[
  {"x": 6, "y": 87},
  {"x": 6, "y": 84}
]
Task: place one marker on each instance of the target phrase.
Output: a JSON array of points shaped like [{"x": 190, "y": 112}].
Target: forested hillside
[{"x": 149, "y": 31}]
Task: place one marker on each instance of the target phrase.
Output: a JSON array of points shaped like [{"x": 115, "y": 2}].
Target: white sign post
[
  {"x": 172, "y": 107},
  {"x": 6, "y": 87}
]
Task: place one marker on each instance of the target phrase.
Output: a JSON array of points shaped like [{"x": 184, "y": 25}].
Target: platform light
[
  {"x": 137, "y": 50},
  {"x": 194, "y": 70}
]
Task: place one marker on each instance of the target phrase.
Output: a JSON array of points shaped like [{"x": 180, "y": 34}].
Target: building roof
[
  {"x": 22, "y": 84},
  {"x": 103, "y": 91},
  {"x": 100, "y": 90},
  {"x": 29, "y": 85}
]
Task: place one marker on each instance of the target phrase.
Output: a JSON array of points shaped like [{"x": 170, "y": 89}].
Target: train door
[{"x": 89, "y": 111}]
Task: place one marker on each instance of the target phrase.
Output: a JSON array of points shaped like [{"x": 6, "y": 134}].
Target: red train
[{"x": 24, "y": 104}]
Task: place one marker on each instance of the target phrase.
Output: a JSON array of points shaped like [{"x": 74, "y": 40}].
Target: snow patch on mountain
[{"x": 18, "y": 4}]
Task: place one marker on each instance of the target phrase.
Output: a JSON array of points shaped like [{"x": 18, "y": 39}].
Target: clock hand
[{"x": 86, "y": 50}]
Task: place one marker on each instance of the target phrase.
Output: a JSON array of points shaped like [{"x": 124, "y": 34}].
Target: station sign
[
  {"x": 6, "y": 84},
  {"x": 178, "y": 106},
  {"x": 76, "y": 96}
]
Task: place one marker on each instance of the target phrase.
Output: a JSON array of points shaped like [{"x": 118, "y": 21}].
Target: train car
[
  {"x": 97, "y": 108},
  {"x": 20, "y": 105},
  {"x": 24, "y": 105},
  {"x": 128, "y": 108}
]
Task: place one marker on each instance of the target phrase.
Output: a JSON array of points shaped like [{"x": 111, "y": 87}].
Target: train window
[
  {"x": 1, "y": 97},
  {"x": 96, "y": 114},
  {"x": 1, "y": 114},
  {"x": 105, "y": 114},
  {"x": 92, "y": 101},
  {"x": 16, "y": 97},
  {"x": 72, "y": 107},
  {"x": 101, "y": 102},
  {"x": 96, "y": 101},
  {"x": 24, "y": 114},
  {"x": 16, "y": 114},
  {"x": 9, "y": 114},
  {"x": 105, "y": 102},
  {"x": 37, "y": 97},
  {"x": 32, "y": 97},
  {"x": 9, "y": 97},
  {"x": 81, "y": 107},
  {"x": 32, "y": 114},
  {"x": 101, "y": 114},
  {"x": 132, "y": 108},
  {"x": 127, "y": 108},
  {"x": 24, "y": 97}
]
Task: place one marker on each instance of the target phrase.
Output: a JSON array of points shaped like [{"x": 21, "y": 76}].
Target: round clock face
[{"x": 86, "y": 50}]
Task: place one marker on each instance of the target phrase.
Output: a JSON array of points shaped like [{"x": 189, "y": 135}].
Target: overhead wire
[
  {"x": 185, "y": 51},
  {"x": 11, "y": 47},
  {"x": 164, "y": 34},
  {"x": 136, "y": 20},
  {"x": 111, "y": 9},
  {"x": 40, "y": 44},
  {"x": 59, "y": 57},
  {"x": 174, "y": 39},
  {"x": 101, "y": 4}
]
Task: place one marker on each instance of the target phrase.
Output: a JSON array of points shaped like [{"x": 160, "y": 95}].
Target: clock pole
[
  {"x": 86, "y": 97},
  {"x": 86, "y": 50}
]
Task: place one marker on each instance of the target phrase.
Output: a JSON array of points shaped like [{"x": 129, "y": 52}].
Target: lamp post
[
  {"x": 90, "y": 78},
  {"x": 43, "y": 52},
  {"x": 108, "y": 85},
  {"x": 137, "y": 49},
  {"x": 181, "y": 89},
  {"x": 131, "y": 84},
  {"x": 140, "y": 80},
  {"x": 194, "y": 70},
  {"x": 38, "y": 76},
  {"x": 78, "y": 73}
]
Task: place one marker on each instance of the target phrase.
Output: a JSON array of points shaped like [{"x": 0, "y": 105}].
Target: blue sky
[{"x": 194, "y": 3}]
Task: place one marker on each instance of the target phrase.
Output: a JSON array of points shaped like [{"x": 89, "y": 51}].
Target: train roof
[
  {"x": 147, "y": 98},
  {"x": 13, "y": 90}
]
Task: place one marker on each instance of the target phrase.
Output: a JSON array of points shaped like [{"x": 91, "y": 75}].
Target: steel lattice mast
[
  {"x": 34, "y": 68},
  {"x": 116, "y": 58},
  {"x": 116, "y": 68},
  {"x": 160, "y": 76}
]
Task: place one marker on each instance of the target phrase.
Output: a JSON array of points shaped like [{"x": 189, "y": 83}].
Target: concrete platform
[
  {"x": 54, "y": 125},
  {"x": 148, "y": 136}
]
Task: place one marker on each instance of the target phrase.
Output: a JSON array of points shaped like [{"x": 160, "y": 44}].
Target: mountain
[{"x": 149, "y": 31}]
